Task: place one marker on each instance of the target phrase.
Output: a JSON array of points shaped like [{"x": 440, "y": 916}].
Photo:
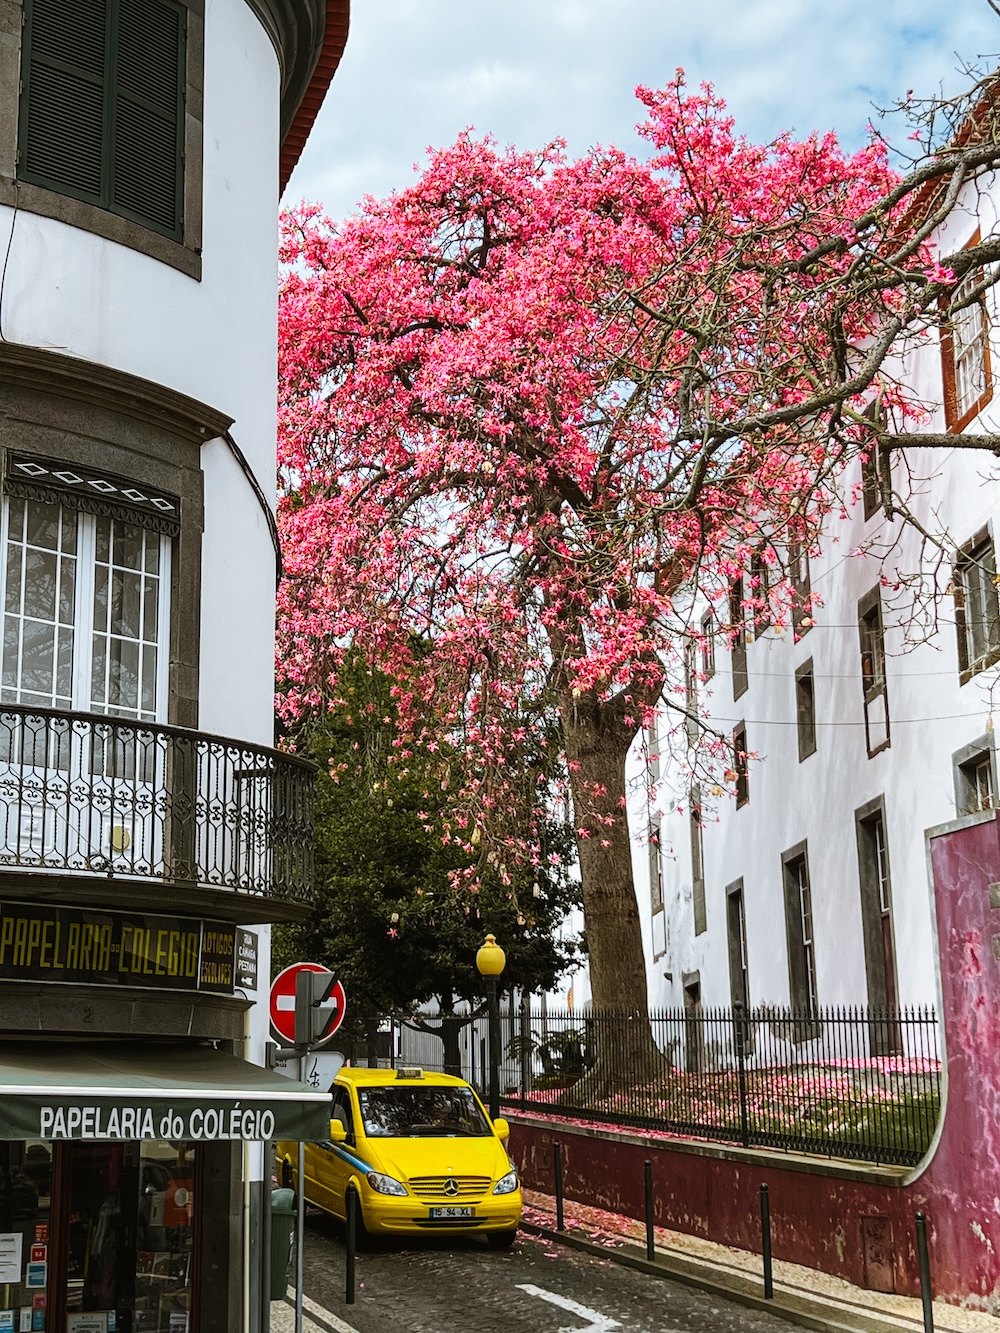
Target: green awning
[{"x": 124, "y": 1090}]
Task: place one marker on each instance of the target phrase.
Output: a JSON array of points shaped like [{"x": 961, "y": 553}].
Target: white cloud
[{"x": 416, "y": 72}]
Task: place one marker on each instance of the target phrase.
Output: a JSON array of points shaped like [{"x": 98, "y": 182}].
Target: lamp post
[{"x": 491, "y": 961}]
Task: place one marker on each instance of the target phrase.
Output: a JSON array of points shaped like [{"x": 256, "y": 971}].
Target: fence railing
[
  {"x": 84, "y": 793},
  {"x": 845, "y": 1082}
]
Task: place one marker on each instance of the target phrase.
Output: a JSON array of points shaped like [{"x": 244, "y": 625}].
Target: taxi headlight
[
  {"x": 384, "y": 1184},
  {"x": 506, "y": 1185}
]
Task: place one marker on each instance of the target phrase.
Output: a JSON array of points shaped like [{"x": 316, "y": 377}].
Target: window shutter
[
  {"x": 62, "y": 108},
  {"x": 149, "y": 112},
  {"x": 102, "y": 105}
]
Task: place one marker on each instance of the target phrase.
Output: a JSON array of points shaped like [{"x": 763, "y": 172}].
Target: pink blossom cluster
[{"x": 533, "y": 410}]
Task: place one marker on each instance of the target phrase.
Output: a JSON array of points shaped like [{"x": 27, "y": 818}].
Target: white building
[
  {"x": 808, "y": 885},
  {"x": 139, "y": 177}
]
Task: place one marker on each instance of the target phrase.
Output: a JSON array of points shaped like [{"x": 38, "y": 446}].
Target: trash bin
[{"x": 282, "y": 1233}]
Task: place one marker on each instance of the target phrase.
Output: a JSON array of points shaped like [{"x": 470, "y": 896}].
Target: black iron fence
[
  {"x": 85, "y": 793},
  {"x": 845, "y": 1082}
]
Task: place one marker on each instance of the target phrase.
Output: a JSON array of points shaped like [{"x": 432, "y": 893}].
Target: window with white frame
[
  {"x": 86, "y": 610},
  {"x": 965, "y": 350},
  {"x": 799, "y": 928},
  {"x": 970, "y": 380},
  {"x": 977, "y": 606}
]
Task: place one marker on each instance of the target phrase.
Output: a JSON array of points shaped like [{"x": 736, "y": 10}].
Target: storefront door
[{"x": 99, "y": 1236}]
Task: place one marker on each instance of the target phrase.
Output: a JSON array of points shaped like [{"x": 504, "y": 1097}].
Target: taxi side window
[{"x": 341, "y": 1110}]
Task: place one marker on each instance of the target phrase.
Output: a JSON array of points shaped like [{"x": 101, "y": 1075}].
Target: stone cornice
[{"x": 102, "y": 386}]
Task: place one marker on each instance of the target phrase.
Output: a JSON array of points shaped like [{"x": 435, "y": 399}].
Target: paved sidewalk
[
  {"x": 316, "y": 1318},
  {"x": 802, "y": 1295}
]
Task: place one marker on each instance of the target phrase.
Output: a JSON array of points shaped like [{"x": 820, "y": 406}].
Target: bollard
[
  {"x": 924, "y": 1262},
  {"x": 557, "y": 1164},
  {"x": 765, "y": 1236},
  {"x": 647, "y": 1171},
  {"x": 351, "y": 1209}
]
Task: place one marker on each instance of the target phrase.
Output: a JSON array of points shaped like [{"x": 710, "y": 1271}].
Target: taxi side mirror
[
  {"x": 338, "y": 1134},
  {"x": 501, "y": 1128}
]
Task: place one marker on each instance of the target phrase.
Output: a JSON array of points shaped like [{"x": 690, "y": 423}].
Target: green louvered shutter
[
  {"x": 63, "y": 76},
  {"x": 102, "y": 105},
  {"x": 149, "y": 113}
]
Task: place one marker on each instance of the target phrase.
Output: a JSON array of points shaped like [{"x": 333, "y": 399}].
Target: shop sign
[
  {"x": 194, "y": 1121},
  {"x": 246, "y": 959},
  {"x": 69, "y": 944}
]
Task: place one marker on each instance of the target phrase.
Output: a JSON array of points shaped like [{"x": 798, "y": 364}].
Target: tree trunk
[
  {"x": 596, "y": 750},
  {"x": 597, "y": 743}
]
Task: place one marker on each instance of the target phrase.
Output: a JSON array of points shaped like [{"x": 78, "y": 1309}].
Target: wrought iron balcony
[{"x": 218, "y": 826}]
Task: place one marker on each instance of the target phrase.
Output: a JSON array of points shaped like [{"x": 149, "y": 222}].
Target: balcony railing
[{"x": 86, "y": 794}]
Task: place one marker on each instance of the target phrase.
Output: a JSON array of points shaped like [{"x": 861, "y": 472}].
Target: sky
[{"x": 417, "y": 72}]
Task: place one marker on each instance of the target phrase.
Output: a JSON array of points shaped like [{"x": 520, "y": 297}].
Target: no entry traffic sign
[{"x": 283, "y": 1005}]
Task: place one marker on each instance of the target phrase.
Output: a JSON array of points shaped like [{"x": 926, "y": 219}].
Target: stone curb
[{"x": 807, "y": 1311}]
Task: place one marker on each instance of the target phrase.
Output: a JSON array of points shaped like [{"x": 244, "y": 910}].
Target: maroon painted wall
[{"x": 819, "y": 1219}]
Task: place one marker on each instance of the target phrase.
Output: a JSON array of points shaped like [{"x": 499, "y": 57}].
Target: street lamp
[{"x": 491, "y": 960}]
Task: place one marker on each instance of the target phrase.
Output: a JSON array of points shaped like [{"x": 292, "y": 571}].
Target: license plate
[{"x": 441, "y": 1214}]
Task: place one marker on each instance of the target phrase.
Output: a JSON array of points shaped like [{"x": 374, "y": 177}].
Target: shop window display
[
  {"x": 25, "y": 1202},
  {"x": 97, "y": 1237}
]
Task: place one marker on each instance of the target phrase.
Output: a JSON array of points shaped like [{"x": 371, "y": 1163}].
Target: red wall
[{"x": 818, "y": 1219}]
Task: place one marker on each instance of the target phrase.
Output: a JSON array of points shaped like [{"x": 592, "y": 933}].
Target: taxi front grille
[{"x": 449, "y": 1189}]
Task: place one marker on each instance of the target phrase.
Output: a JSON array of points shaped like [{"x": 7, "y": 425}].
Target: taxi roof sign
[{"x": 409, "y": 1071}]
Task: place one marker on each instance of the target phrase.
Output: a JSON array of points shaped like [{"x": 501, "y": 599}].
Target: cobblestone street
[{"x": 460, "y": 1286}]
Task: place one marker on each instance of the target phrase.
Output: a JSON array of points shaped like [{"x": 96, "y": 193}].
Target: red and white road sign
[{"x": 283, "y": 1003}]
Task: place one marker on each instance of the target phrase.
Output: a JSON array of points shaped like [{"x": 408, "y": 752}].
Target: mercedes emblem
[{"x": 451, "y": 1186}]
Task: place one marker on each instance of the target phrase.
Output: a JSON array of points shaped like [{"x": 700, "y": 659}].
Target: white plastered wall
[
  {"x": 214, "y": 340},
  {"x": 931, "y": 714}
]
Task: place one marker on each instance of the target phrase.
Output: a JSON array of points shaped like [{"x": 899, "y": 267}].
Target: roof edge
[{"x": 301, "y": 106}]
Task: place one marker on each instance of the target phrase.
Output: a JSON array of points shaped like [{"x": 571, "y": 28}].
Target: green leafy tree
[{"x": 401, "y": 905}]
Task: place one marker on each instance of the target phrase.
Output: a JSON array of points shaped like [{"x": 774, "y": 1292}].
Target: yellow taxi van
[{"x": 422, "y": 1153}]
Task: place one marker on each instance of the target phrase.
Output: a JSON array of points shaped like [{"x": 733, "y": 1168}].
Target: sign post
[{"x": 307, "y": 1005}]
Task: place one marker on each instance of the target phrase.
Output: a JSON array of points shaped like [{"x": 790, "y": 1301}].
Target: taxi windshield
[{"x": 399, "y": 1113}]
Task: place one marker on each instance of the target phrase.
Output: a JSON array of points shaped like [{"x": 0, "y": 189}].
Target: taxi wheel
[{"x": 500, "y": 1240}]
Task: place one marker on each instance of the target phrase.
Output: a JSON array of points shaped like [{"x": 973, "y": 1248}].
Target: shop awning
[{"x": 123, "y": 1090}]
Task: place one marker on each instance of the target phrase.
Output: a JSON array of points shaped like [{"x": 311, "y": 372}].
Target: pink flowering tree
[{"x": 537, "y": 413}]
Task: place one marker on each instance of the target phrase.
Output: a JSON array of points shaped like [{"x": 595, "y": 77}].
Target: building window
[
  {"x": 691, "y": 691},
  {"x": 655, "y": 866},
  {"x": 805, "y": 709},
  {"x": 975, "y": 777},
  {"x": 102, "y": 106},
  {"x": 656, "y": 902},
  {"x": 799, "y": 930},
  {"x": 876, "y": 916},
  {"x": 738, "y": 635},
  {"x": 876, "y": 469},
  {"x": 801, "y": 581},
  {"x": 965, "y": 353},
  {"x": 873, "y": 681},
  {"x": 876, "y": 480},
  {"x": 697, "y": 863},
  {"x": 741, "y": 767},
  {"x": 760, "y": 587},
  {"x": 977, "y": 611},
  {"x": 86, "y": 611},
  {"x": 708, "y": 646},
  {"x": 739, "y": 980}
]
